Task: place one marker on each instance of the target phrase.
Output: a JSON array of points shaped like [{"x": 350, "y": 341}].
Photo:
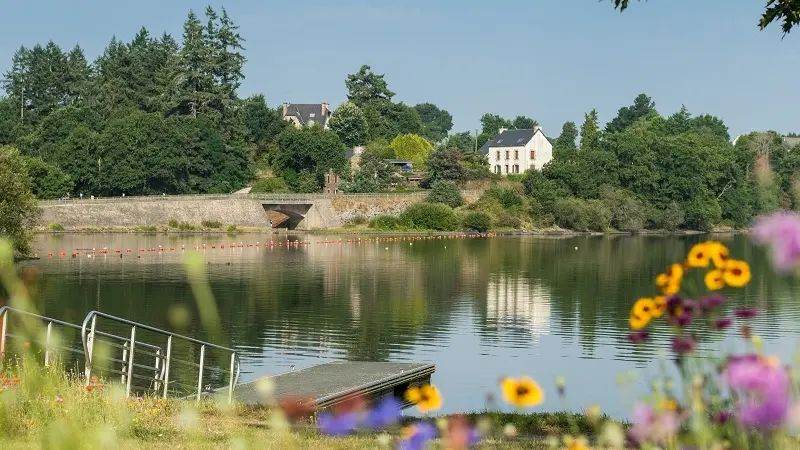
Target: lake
[{"x": 479, "y": 308}]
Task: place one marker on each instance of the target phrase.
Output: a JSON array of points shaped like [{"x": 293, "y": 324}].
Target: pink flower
[
  {"x": 764, "y": 391},
  {"x": 781, "y": 231},
  {"x": 649, "y": 427}
]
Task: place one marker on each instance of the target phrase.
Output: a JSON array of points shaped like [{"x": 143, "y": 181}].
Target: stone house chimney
[
  {"x": 326, "y": 108},
  {"x": 501, "y": 130},
  {"x": 536, "y": 128},
  {"x": 285, "y": 109}
]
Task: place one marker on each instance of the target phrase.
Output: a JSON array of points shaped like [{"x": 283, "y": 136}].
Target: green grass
[{"x": 56, "y": 227}]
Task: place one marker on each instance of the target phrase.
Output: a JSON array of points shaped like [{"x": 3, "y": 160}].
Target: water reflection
[{"x": 478, "y": 308}]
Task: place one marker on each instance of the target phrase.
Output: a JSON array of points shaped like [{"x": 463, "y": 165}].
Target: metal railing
[
  {"x": 159, "y": 377},
  {"x": 262, "y": 197},
  {"x": 166, "y": 363}
]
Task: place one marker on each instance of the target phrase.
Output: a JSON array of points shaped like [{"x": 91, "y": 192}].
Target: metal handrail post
[
  {"x": 130, "y": 362},
  {"x": 3, "y": 334},
  {"x": 158, "y": 372},
  {"x": 230, "y": 382},
  {"x": 89, "y": 349},
  {"x": 166, "y": 365},
  {"x": 200, "y": 372},
  {"x": 47, "y": 344},
  {"x": 124, "y": 362}
]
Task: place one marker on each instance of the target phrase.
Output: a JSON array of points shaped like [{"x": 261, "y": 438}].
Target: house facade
[
  {"x": 515, "y": 151},
  {"x": 307, "y": 114}
]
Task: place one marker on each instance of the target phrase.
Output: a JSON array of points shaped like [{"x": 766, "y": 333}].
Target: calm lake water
[{"x": 479, "y": 309}]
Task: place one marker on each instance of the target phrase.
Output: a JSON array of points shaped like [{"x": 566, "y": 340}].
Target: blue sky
[{"x": 552, "y": 60}]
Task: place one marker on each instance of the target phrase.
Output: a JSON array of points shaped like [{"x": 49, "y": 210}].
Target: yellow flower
[
  {"x": 668, "y": 404},
  {"x": 670, "y": 281},
  {"x": 660, "y": 306},
  {"x": 737, "y": 273},
  {"x": 427, "y": 398},
  {"x": 719, "y": 254},
  {"x": 644, "y": 307},
  {"x": 714, "y": 280},
  {"x": 699, "y": 255},
  {"x": 579, "y": 443},
  {"x": 522, "y": 392},
  {"x": 638, "y": 322}
]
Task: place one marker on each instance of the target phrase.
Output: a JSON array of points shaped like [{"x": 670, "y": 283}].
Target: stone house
[
  {"x": 306, "y": 114},
  {"x": 515, "y": 151}
]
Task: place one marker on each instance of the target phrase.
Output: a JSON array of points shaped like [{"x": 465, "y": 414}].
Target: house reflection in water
[{"x": 519, "y": 305}]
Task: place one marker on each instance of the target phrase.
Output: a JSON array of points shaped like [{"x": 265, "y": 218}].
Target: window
[
  {"x": 507, "y": 152},
  {"x": 497, "y": 169},
  {"x": 533, "y": 154},
  {"x": 498, "y": 155},
  {"x": 506, "y": 168},
  {"x": 516, "y": 154},
  {"x": 499, "y": 141},
  {"x": 516, "y": 168}
]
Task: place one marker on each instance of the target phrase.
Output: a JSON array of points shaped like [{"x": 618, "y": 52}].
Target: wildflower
[
  {"x": 745, "y": 313},
  {"x": 746, "y": 331},
  {"x": 522, "y": 392},
  {"x": 721, "y": 323},
  {"x": 385, "y": 413},
  {"x": 721, "y": 417},
  {"x": 637, "y": 337},
  {"x": 712, "y": 302},
  {"x": 579, "y": 443},
  {"x": 683, "y": 344},
  {"x": 89, "y": 387},
  {"x": 764, "y": 391},
  {"x": 417, "y": 436},
  {"x": 684, "y": 319},
  {"x": 638, "y": 322},
  {"x": 460, "y": 435},
  {"x": 714, "y": 280},
  {"x": 670, "y": 281},
  {"x": 337, "y": 425},
  {"x": 59, "y": 399},
  {"x": 737, "y": 273},
  {"x": 27, "y": 344},
  {"x": 297, "y": 408},
  {"x": 644, "y": 307},
  {"x": 719, "y": 254},
  {"x": 651, "y": 427},
  {"x": 781, "y": 231},
  {"x": 699, "y": 255},
  {"x": 427, "y": 398},
  {"x": 94, "y": 379},
  {"x": 690, "y": 306},
  {"x": 660, "y": 306}
]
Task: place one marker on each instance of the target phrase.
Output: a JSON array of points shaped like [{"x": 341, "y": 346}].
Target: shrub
[
  {"x": 570, "y": 213},
  {"x": 430, "y": 216},
  {"x": 508, "y": 220},
  {"x": 384, "y": 223},
  {"x": 269, "y": 186},
  {"x": 446, "y": 192},
  {"x": 186, "y": 226},
  {"x": 358, "y": 219},
  {"x": 146, "y": 228},
  {"x": 56, "y": 227},
  {"x": 478, "y": 221},
  {"x": 627, "y": 213},
  {"x": 172, "y": 223},
  {"x": 231, "y": 228},
  {"x": 508, "y": 197},
  {"x": 211, "y": 224},
  {"x": 672, "y": 217},
  {"x": 598, "y": 215}
]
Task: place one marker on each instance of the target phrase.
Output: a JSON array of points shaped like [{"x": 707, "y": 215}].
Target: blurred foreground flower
[
  {"x": 385, "y": 413},
  {"x": 460, "y": 435},
  {"x": 417, "y": 436},
  {"x": 523, "y": 392},
  {"x": 337, "y": 425},
  {"x": 427, "y": 398},
  {"x": 651, "y": 427},
  {"x": 781, "y": 232},
  {"x": 764, "y": 390}
]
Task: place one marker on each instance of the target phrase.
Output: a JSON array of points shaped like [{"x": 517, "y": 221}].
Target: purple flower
[
  {"x": 420, "y": 434},
  {"x": 690, "y": 306},
  {"x": 637, "y": 337},
  {"x": 722, "y": 323},
  {"x": 721, "y": 417},
  {"x": 649, "y": 427},
  {"x": 712, "y": 302},
  {"x": 763, "y": 388},
  {"x": 683, "y": 344},
  {"x": 385, "y": 413},
  {"x": 745, "y": 313},
  {"x": 684, "y": 319},
  {"x": 337, "y": 425},
  {"x": 673, "y": 301},
  {"x": 781, "y": 231}
]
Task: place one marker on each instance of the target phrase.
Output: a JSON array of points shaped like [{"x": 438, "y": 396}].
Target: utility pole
[
  {"x": 476, "y": 140},
  {"x": 22, "y": 105}
]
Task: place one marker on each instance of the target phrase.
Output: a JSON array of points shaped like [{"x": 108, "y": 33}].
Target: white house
[
  {"x": 306, "y": 114},
  {"x": 515, "y": 151}
]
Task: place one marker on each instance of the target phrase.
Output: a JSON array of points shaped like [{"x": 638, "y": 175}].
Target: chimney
[
  {"x": 285, "y": 109},
  {"x": 501, "y": 131},
  {"x": 536, "y": 128},
  {"x": 325, "y": 109}
]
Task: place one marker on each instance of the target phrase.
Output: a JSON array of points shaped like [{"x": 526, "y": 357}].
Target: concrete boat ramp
[{"x": 335, "y": 382}]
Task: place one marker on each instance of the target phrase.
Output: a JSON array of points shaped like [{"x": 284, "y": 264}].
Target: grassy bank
[{"x": 47, "y": 408}]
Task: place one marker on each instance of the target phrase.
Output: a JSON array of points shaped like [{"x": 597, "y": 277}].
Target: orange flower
[
  {"x": 644, "y": 307},
  {"x": 699, "y": 255},
  {"x": 89, "y": 387},
  {"x": 714, "y": 280},
  {"x": 94, "y": 379},
  {"x": 523, "y": 392},
  {"x": 737, "y": 273},
  {"x": 427, "y": 398},
  {"x": 660, "y": 306}
]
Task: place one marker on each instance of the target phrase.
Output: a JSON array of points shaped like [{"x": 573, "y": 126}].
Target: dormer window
[{"x": 312, "y": 115}]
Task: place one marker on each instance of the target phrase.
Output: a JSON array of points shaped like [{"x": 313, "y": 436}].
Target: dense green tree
[
  {"x": 590, "y": 131},
  {"x": 436, "y": 122},
  {"x": 365, "y": 86},
  {"x": 446, "y": 192},
  {"x": 18, "y": 210},
  {"x": 312, "y": 149},
  {"x": 349, "y": 123},
  {"x": 490, "y": 126},
  {"x": 374, "y": 174},
  {"x": 47, "y": 180},
  {"x": 197, "y": 85},
  {"x": 787, "y": 12},
  {"x": 445, "y": 164},
  {"x": 643, "y": 108},
  {"x": 462, "y": 141},
  {"x": 412, "y": 147},
  {"x": 382, "y": 148},
  {"x": 565, "y": 146},
  {"x": 523, "y": 123},
  {"x": 262, "y": 123}
]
